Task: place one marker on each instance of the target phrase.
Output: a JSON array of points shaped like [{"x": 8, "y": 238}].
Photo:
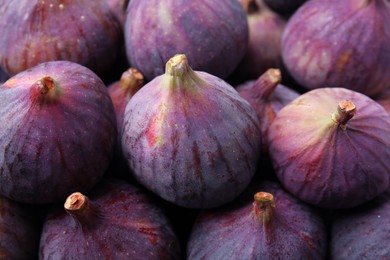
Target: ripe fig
[
  {"x": 58, "y": 132},
  {"x": 362, "y": 232},
  {"x": 19, "y": 233},
  {"x": 35, "y": 31},
  {"x": 212, "y": 34},
  {"x": 265, "y": 222},
  {"x": 117, "y": 220},
  {"x": 339, "y": 44},
  {"x": 330, "y": 146},
  {"x": 265, "y": 32},
  {"x": 190, "y": 137}
]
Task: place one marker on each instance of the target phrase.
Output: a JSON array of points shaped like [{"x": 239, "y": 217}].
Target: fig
[
  {"x": 265, "y": 32},
  {"x": 284, "y": 7},
  {"x": 339, "y": 44},
  {"x": 116, "y": 220},
  {"x": 362, "y": 232},
  {"x": 19, "y": 233},
  {"x": 329, "y": 147},
  {"x": 212, "y": 34},
  {"x": 189, "y": 137},
  {"x": 267, "y": 96},
  {"x": 58, "y": 132},
  {"x": 119, "y": 8},
  {"x": 265, "y": 222},
  {"x": 34, "y": 31}
]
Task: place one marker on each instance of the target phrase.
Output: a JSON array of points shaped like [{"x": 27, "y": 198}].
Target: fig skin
[
  {"x": 288, "y": 229},
  {"x": 85, "y": 32},
  {"x": 212, "y": 34},
  {"x": 118, "y": 220},
  {"x": 330, "y": 158},
  {"x": 19, "y": 232},
  {"x": 191, "y": 138},
  {"x": 384, "y": 99},
  {"x": 58, "y": 135},
  {"x": 119, "y": 8},
  {"x": 339, "y": 44},
  {"x": 362, "y": 232}
]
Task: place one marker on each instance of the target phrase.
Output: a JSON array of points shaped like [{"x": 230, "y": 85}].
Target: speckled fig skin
[
  {"x": 362, "y": 232},
  {"x": 58, "y": 132},
  {"x": 212, "y": 34},
  {"x": 19, "y": 232},
  {"x": 332, "y": 157},
  {"x": 118, "y": 220},
  {"x": 285, "y": 229},
  {"x": 33, "y": 31},
  {"x": 191, "y": 138},
  {"x": 339, "y": 44}
]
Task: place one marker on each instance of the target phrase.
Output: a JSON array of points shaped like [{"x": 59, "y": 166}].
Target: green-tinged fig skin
[
  {"x": 295, "y": 230},
  {"x": 53, "y": 144},
  {"x": 338, "y": 44},
  {"x": 129, "y": 224},
  {"x": 19, "y": 234},
  {"x": 362, "y": 232},
  {"x": 322, "y": 163},
  {"x": 195, "y": 146},
  {"x": 33, "y": 31},
  {"x": 212, "y": 34}
]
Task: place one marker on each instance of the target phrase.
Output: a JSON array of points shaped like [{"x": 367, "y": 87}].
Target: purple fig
[
  {"x": 117, "y": 220},
  {"x": 58, "y": 132},
  {"x": 362, "y": 232},
  {"x": 212, "y": 34},
  {"x": 34, "y": 31},
  {"x": 19, "y": 233},
  {"x": 189, "y": 137},
  {"x": 265, "y": 222},
  {"x": 339, "y": 44},
  {"x": 330, "y": 146}
]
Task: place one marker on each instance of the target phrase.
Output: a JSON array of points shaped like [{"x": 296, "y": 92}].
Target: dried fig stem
[
  {"x": 131, "y": 81},
  {"x": 263, "y": 206},
  {"x": 81, "y": 209},
  {"x": 267, "y": 83},
  {"x": 345, "y": 111},
  {"x": 180, "y": 73},
  {"x": 44, "y": 85}
]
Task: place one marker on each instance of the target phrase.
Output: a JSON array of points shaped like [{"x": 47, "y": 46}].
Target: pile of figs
[{"x": 173, "y": 129}]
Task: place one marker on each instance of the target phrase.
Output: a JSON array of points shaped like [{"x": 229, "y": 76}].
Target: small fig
[
  {"x": 58, "y": 132},
  {"x": 342, "y": 44},
  {"x": 190, "y": 137},
  {"x": 265, "y": 222},
  {"x": 330, "y": 146},
  {"x": 212, "y": 34},
  {"x": 117, "y": 220}
]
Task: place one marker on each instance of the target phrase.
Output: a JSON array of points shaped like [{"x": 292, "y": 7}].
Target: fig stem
[
  {"x": 263, "y": 206},
  {"x": 267, "y": 83},
  {"x": 44, "y": 85},
  {"x": 131, "y": 81},
  {"x": 345, "y": 111},
  {"x": 80, "y": 208},
  {"x": 179, "y": 72}
]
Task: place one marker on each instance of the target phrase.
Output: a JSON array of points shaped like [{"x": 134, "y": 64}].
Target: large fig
[
  {"x": 116, "y": 220},
  {"x": 213, "y": 34},
  {"x": 265, "y": 222},
  {"x": 58, "y": 132},
  {"x": 189, "y": 137},
  {"x": 362, "y": 232},
  {"x": 340, "y": 44},
  {"x": 19, "y": 232},
  {"x": 330, "y": 147},
  {"x": 35, "y": 31}
]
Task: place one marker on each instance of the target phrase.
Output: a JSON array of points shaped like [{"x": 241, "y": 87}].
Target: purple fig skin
[
  {"x": 327, "y": 157},
  {"x": 118, "y": 221},
  {"x": 58, "y": 132},
  {"x": 287, "y": 229},
  {"x": 212, "y": 34},
  {"x": 84, "y": 31},
  {"x": 384, "y": 99},
  {"x": 19, "y": 235},
  {"x": 119, "y": 8},
  {"x": 191, "y": 138},
  {"x": 362, "y": 232},
  {"x": 338, "y": 44},
  {"x": 267, "y": 96},
  {"x": 265, "y": 33}
]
